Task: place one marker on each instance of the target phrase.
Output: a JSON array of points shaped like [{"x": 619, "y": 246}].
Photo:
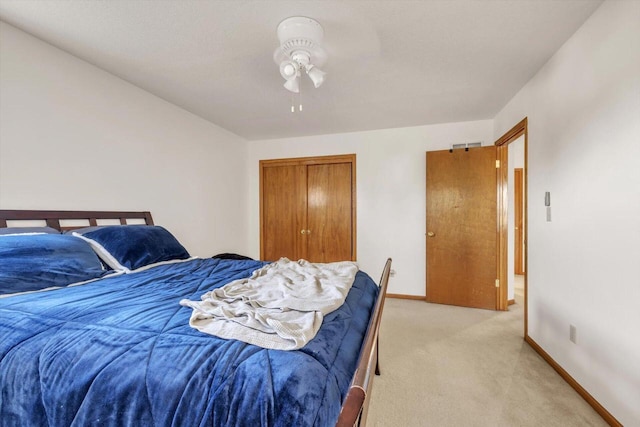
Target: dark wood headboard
[{"x": 53, "y": 218}]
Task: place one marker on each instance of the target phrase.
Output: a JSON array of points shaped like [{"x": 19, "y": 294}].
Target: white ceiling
[{"x": 391, "y": 64}]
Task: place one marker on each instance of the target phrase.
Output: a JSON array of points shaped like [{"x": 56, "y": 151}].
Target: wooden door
[
  {"x": 307, "y": 208},
  {"x": 329, "y": 206},
  {"x": 462, "y": 227},
  {"x": 284, "y": 201},
  {"x": 519, "y": 220}
]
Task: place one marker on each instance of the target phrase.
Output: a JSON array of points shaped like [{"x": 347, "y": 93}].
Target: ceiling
[{"x": 391, "y": 63}]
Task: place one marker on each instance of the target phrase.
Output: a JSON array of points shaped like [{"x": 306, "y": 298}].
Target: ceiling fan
[{"x": 300, "y": 51}]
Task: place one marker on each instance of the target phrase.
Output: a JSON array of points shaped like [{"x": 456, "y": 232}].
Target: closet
[{"x": 308, "y": 208}]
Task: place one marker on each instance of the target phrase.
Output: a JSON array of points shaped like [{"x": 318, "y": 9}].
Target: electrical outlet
[{"x": 573, "y": 334}]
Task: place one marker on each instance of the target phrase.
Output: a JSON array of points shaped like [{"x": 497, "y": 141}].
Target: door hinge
[
  {"x": 497, "y": 283},
  {"x": 497, "y": 164}
]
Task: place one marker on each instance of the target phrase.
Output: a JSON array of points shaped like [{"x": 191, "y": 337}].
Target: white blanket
[{"x": 281, "y": 306}]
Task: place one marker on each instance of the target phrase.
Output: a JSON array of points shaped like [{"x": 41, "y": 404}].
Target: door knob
[
  {"x": 303, "y": 231},
  {"x": 431, "y": 234},
  {"x": 308, "y": 231}
]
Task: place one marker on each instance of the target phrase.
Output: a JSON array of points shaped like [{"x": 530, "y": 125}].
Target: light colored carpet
[{"x": 452, "y": 366}]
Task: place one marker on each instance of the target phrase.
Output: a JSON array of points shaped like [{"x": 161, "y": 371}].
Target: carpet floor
[{"x": 452, "y": 366}]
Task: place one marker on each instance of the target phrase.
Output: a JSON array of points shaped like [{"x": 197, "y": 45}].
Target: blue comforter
[{"x": 120, "y": 352}]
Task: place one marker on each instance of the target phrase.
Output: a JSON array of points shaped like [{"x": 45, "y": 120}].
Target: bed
[{"x": 117, "y": 349}]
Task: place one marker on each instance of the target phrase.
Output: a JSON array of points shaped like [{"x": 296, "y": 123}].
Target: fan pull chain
[{"x": 293, "y": 101}]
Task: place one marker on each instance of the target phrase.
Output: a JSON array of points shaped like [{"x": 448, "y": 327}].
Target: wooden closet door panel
[
  {"x": 329, "y": 212},
  {"x": 284, "y": 212}
]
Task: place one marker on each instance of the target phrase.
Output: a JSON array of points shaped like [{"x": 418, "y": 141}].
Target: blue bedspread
[{"x": 120, "y": 352}]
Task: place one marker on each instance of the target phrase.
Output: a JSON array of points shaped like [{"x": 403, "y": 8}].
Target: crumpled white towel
[{"x": 281, "y": 306}]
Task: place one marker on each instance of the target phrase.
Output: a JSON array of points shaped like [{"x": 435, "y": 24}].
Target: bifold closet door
[
  {"x": 307, "y": 208},
  {"x": 329, "y": 206},
  {"x": 284, "y": 205}
]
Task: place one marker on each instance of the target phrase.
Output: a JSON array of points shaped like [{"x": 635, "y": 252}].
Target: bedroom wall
[
  {"x": 391, "y": 190},
  {"x": 584, "y": 145},
  {"x": 75, "y": 137}
]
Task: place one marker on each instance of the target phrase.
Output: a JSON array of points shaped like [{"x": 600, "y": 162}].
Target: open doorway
[
  {"x": 512, "y": 155},
  {"x": 515, "y": 218}
]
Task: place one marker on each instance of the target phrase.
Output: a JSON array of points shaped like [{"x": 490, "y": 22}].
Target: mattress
[{"x": 119, "y": 352}]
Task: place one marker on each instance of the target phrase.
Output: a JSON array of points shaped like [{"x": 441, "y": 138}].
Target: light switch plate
[{"x": 573, "y": 334}]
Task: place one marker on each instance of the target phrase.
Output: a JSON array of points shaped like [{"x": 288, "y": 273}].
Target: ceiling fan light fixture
[
  {"x": 300, "y": 48},
  {"x": 302, "y": 58}
]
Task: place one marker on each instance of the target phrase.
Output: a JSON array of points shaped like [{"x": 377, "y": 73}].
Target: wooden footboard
[{"x": 356, "y": 404}]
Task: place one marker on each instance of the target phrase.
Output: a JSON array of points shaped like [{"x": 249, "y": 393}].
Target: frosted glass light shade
[
  {"x": 292, "y": 85},
  {"x": 288, "y": 69},
  {"x": 316, "y": 75}
]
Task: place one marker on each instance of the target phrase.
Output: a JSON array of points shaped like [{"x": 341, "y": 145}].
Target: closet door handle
[
  {"x": 303, "y": 231},
  {"x": 308, "y": 231}
]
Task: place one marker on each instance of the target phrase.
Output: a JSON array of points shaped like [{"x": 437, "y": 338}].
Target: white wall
[
  {"x": 391, "y": 190},
  {"x": 75, "y": 137},
  {"x": 584, "y": 147}
]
